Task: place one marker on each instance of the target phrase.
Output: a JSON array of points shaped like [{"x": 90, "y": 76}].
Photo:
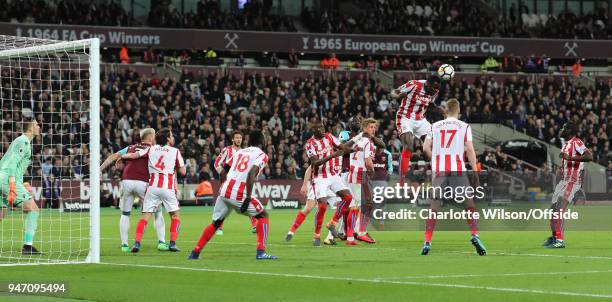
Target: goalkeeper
[{"x": 15, "y": 192}]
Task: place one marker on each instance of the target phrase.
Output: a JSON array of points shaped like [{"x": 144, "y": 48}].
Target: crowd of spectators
[
  {"x": 202, "y": 118},
  {"x": 61, "y": 152},
  {"x": 66, "y": 12},
  {"x": 255, "y": 15},
  {"x": 457, "y": 18},
  {"x": 401, "y": 17},
  {"x": 567, "y": 24}
]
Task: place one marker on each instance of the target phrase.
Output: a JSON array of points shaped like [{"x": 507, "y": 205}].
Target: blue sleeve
[
  {"x": 389, "y": 161},
  {"x": 123, "y": 151}
]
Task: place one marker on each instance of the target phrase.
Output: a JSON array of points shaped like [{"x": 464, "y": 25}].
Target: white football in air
[{"x": 446, "y": 72}]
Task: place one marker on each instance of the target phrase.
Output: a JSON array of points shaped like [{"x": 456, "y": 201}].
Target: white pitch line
[
  {"x": 499, "y": 275},
  {"x": 545, "y": 255},
  {"x": 370, "y": 247},
  {"x": 446, "y": 285}
]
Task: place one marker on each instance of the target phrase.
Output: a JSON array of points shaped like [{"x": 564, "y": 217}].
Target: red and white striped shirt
[
  {"x": 242, "y": 162},
  {"x": 572, "y": 170},
  {"x": 416, "y": 101},
  {"x": 364, "y": 149},
  {"x": 225, "y": 154},
  {"x": 321, "y": 148},
  {"x": 163, "y": 161},
  {"x": 448, "y": 145}
]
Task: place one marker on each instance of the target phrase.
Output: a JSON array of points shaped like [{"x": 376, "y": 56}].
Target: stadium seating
[
  {"x": 406, "y": 17},
  {"x": 283, "y": 110}
]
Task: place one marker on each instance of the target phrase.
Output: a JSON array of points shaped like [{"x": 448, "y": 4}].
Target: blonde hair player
[
  {"x": 164, "y": 161},
  {"x": 134, "y": 179},
  {"x": 361, "y": 162},
  {"x": 445, "y": 145}
]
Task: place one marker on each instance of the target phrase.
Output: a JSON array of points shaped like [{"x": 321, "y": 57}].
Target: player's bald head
[{"x": 453, "y": 107}]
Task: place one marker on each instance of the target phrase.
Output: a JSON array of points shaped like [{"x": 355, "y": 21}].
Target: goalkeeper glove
[
  {"x": 12, "y": 194},
  {"x": 245, "y": 204}
]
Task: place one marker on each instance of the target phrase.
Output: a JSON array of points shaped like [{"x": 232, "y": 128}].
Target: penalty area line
[
  {"x": 499, "y": 275},
  {"x": 365, "y": 280}
]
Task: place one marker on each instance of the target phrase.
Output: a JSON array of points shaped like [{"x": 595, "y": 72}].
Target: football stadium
[{"x": 369, "y": 150}]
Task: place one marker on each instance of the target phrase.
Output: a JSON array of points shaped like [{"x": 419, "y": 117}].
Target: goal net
[{"x": 57, "y": 84}]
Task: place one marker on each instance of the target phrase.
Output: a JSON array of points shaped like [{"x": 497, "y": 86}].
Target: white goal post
[{"x": 58, "y": 84}]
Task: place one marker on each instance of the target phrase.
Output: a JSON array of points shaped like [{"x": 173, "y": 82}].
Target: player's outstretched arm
[
  {"x": 378, "y": 142},
  {"x": 342, "y": 149},
  {"x": 109, "y": 161},
  {"x": 369, "y": 166},
  {"x": 182, "y": 170},
  {"x": 389, "y": 161},
  {"x": 307, "y": 176},
  {"x": 471, "y": 155},
  {"x": 396, "y": 93},
  {"x": 131, "y": 156},
  {"x": 249, "y": 188},
  {"x": 427, "y": 147},
  {"x": 223, "y": 173}
]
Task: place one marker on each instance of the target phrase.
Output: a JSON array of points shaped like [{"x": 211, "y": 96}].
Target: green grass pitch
[{"x": 517, "y": 268}]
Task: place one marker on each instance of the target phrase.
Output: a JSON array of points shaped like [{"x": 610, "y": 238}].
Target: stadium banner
[
  {"x": 165, "y": 38},
  {"x": 284, "y": 203},
  {"x": 75, "y": 194}
]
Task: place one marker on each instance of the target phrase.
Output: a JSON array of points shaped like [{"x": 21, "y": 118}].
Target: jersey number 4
[
  {"x": 450, "y": 139},
  {"x": 160, "y": 163}
]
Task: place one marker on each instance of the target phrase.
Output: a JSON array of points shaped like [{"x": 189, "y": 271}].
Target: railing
[
  {"x": 485, "y": 138},
  {"x": 517, "y": 187}
]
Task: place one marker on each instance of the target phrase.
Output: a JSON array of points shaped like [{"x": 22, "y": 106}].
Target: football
[{"x": 446, "y": 72}]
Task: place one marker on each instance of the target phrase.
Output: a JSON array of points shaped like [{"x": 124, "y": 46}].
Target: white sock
[
  {"x": 329, "y": 236},
  {"x": 160, "y": 226},
  {"x": 124, "y": 228}
]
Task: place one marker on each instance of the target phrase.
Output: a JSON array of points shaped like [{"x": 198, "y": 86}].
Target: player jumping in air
[
  {"x": 445, "y": 146},
  {"x": 573, "y": 155},
  {"x": 235, "y": 193},
  {"x": 13, "y": 190},
  {"x": 164, "y": 161},
  {"x": 326, "y": 175},
  {"x": 417, "y": 96},
  {"x": 226, "y": 154},
  {"x": 134, "y": 180}
]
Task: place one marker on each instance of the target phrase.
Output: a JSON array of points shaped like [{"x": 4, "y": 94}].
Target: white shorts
[
  {"x": 155, "y": 197},
  {"x": 322, "y": 186},
  {"x": 566, "y": 190},
  {"x": 417, "y": 127},
  {"x": 356, "y": 192},
  {"x": 223, "y": 206},
  {"x": 130, "y": 189}
]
